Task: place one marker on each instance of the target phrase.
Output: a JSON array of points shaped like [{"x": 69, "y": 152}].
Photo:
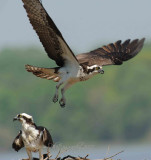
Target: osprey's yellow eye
[
  {"x": 19, "y": 116},
  {"x": 97, "y": 68}
]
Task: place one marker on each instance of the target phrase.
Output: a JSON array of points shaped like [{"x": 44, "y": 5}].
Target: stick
[
  {"x": 113, "y": 155},
  {"x": 60, "y": 153}
]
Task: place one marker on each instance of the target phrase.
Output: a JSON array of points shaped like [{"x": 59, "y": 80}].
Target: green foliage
[{"x": 115, "y": 106}]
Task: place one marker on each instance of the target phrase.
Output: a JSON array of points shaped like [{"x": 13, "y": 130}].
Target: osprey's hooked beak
[
  {"x": 15, "y": 118},
  {"x": 101, "y": 71}
]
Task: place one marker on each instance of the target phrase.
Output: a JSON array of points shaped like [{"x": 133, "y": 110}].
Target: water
[{"x": 131, "y": 152}]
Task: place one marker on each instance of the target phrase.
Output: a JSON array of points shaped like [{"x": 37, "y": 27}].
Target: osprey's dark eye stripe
[
  {"x": 97, "y": 68},
  {"x": 28, "y": 120}
]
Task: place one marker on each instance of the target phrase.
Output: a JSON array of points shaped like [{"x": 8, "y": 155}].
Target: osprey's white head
[
  {"x": 95, "y": 69},
  {"x": 24, "y": 118}
]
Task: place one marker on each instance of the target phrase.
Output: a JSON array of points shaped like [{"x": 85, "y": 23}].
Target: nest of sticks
[{"x": 69, "y": 157}]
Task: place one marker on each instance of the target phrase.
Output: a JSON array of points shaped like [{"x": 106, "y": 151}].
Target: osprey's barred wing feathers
[
  {"x": 112, "y": 54},
  {"x": 18, "y": 143},
  {"x": 48, "y": 33}
]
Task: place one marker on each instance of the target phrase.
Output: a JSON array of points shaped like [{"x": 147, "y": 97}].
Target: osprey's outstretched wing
[
  {"x": 49, "y": 35},
  {"x": 112, "y": 53},
  {"x": 46, "y": 137},
  {"x": 18, "y": 142}
]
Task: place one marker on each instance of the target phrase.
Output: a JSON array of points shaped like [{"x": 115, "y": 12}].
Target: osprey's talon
[
  {"x": 55, "y": 99},
  {"x": 62, "y": 103}
]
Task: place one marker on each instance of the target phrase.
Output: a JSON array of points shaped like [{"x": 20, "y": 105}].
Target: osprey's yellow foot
[
  {"x": 62, "y": 103},
  {"x": 55, "y": 98}
]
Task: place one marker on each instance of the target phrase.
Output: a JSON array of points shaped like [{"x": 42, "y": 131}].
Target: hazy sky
[{"x": 83, "y": 23}]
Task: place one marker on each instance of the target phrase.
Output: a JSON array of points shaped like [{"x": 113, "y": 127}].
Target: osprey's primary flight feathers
[
  {"x": 71, "y": 68},
  {"x": 32, "y": 137}
]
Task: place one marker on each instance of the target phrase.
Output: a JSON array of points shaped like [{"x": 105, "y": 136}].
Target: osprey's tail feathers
[{"x": 46, "y": 73}]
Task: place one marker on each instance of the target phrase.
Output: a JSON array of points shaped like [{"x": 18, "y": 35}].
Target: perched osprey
[
  {"x": 32, "y": 137},
  {"x": 71, "y": 68}
]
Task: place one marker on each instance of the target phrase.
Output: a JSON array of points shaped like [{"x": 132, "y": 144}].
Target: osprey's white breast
[
  {"x": 74, "y": 74},
  {"x": 31, "y": 138}
]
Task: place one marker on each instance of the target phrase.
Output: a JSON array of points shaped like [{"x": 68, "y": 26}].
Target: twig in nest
[
  {"x": 113, "y": 155},
  {"x": 84, "y": 158},
  {"x": 48, "y": 154},
  {"x": 108, "y": 149},
  {"x": 60, "y": 153}
]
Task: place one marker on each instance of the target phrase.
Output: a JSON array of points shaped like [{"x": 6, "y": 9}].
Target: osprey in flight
[
  {"x": 32, "y": 137},
  {"x": 71, "y": 68}
]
